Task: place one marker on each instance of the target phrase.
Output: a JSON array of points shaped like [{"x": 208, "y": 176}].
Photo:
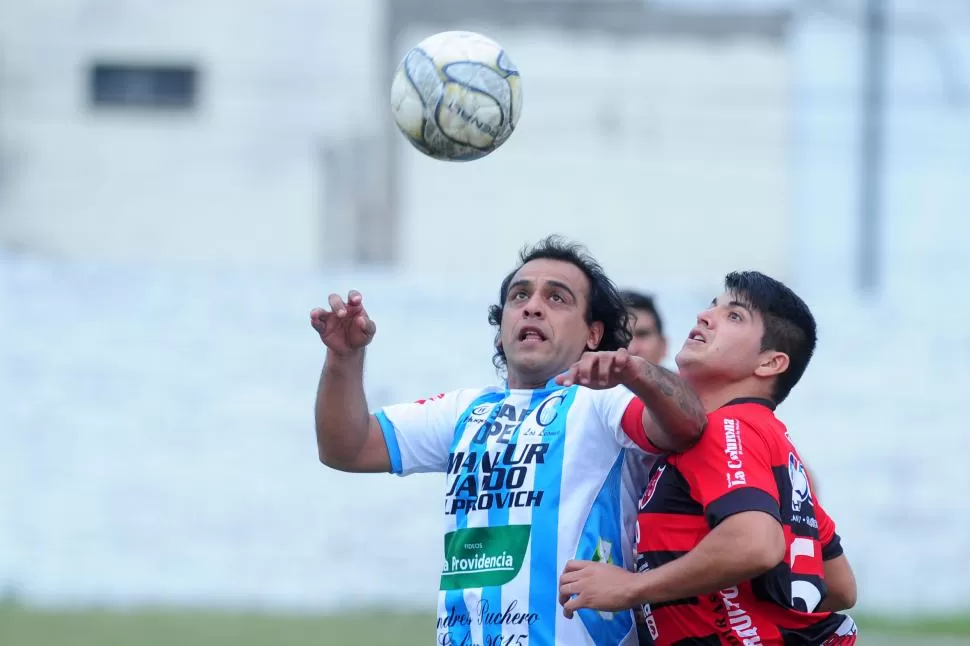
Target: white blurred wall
[
  {"x": 648, "y": 150},
  {"x": 675, "y": 139},
  {"x": 236, "y": 180}
]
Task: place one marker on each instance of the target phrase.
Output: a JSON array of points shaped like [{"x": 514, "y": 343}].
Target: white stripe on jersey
[{"x": 502, "y": 449}]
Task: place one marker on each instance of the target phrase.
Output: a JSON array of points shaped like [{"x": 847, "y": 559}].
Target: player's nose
[
  {"x": 706, "y": 318},
  {"x": 535, "y": 308}
]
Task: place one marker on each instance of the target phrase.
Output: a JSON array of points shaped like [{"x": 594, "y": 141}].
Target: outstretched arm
[
  {"x": 840, "y": 582},
  {"x": 348, "y": 437},
  {"x": 673, "y": 417},
  {"x": 742, "y": 547}
]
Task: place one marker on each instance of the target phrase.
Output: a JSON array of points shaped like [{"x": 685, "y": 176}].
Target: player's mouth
[
  {"x": 529, "y": 333},
  {"x": 696, "y": 336}
]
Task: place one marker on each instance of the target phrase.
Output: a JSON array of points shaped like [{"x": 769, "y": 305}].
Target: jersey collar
[
  {"x": 760, "y": 401},
  {"x": 550, "y": 385}
]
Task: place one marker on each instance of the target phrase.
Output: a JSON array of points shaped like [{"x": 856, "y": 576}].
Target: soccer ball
[{"x": 456, "y": 96}]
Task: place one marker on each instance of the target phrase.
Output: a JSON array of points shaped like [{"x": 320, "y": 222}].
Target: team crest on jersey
[
  {"x": 801, "y": 491},
  {"x": 652, "y": 486}
]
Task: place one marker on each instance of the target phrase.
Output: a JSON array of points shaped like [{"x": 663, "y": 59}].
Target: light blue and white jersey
[{"x": 534, "y": 478}]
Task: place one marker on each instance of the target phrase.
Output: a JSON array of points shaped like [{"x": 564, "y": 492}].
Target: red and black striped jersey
[{"x": 745, "y": 461}]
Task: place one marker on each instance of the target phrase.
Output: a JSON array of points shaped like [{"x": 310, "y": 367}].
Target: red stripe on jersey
[
  {"x": 632, "y": 425},
  {"x": 680, "y": 533}
]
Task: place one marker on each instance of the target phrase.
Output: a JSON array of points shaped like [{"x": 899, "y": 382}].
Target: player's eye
[
  {"x": 517, "y": 295},
  {"x": 734, "y": 316},
  {"x": 557, "y": 297}
]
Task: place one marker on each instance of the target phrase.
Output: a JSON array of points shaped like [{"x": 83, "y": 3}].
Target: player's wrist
[
  {"x": 643, "y": 588},
  {"x": 348, "y": 359},
  {"x": 636, "y": 372}
]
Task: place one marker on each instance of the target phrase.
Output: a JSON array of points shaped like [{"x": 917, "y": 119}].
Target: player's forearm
[
  {"x": 674, "y": 406},
  {"x": 732, "y": 553},
  {"x": 341, "y": 413}
]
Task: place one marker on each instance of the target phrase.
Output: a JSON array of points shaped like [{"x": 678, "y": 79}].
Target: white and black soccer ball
[{"x": 456, "y": 96}]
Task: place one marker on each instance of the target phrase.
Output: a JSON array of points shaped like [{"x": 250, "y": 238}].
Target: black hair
[
  {"x": 789, "y": 324},
  {"x": 605, "y": 303},
  {"x": 644, "y": 303}
]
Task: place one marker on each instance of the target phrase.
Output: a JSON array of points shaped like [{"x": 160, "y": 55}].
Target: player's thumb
[{"x": 368, "y": 327}]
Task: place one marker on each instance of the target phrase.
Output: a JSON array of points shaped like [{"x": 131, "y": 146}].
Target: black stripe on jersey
[
  {"x": 671, "y": 494},
  {"x": 802, "y": 520},
  {"x": 710, "y": 640},
  {"x": 657, "y": 558},
  {"x": 739, "y": 500},
  {"x": 690, "y": 601},
  {"x": 814, "y": 634},
  {"x": 775, "y": 586},
  {"x": 833, "y": 549},
  {"x": 644, "y": 639},
  {"x": 767, "y": 403}
]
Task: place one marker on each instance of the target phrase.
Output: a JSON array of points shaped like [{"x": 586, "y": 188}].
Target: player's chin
[{"x": 692, "y": 354}]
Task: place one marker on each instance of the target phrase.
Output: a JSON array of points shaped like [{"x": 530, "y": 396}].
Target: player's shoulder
[
  {"x": 610, "y": 404},
  {"x": 752, "y": 414},
  {"x": 460, "y": 397},
  {"x": 732, "y": 425}
]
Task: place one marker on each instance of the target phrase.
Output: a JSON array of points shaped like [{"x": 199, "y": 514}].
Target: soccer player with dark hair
[
  {"x": 734, "y": 547},
  {"x": 543, "y": 468},
  {"x": 646, "y": 327}
]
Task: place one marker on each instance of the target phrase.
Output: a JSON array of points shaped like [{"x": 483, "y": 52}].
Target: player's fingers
[
  {"x": 569, "y": 589},
  {"x": 574, "y": 604},
  {"x": 337, "y": 305},
  {"x": 585, "y": 369},
  {"x": 621, "y": 358},
  {"x": 604, "y": 369},
  {"x": 367, "y": 326},
  {"x": 569, "y": 377},
  {"x": 318, "y": 318},
  {"x": 354, "y": 297},
  {"x": 574, "y": 565},
  {"x": 567, "y": 578},
  {"x": 563, "y": 597}
]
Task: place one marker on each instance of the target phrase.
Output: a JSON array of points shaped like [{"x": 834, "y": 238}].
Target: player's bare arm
[
  {"x": 742, "y": 547},
  {"x": 840, "y": 586},
  {"x": 349, "y": 438},
  {"x": 674, "y": 418}
]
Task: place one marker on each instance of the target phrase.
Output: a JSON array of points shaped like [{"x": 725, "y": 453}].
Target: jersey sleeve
[
  {"x": 830, "y": 540},
  {"x": 419, "y": 434},
  {"x": 622, "y": 412},
  {"x": 729, "y": 470}
]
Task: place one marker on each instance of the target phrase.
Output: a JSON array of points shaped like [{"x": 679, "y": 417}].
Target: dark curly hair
[{"x": 605, "y": 302}]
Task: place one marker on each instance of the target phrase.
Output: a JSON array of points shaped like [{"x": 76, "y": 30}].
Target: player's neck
[
  {"x": 520, "y": 382},
  {"x": 715, "y": 394}
]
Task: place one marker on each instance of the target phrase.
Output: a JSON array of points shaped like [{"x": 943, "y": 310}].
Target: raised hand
[
  {"x": 601, "y": 370},
  {"x": 345, "y": 328}
]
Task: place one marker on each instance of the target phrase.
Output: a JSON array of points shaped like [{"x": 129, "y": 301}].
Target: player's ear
[
  {"x": 772, "y": 363},
  {"x": 595, "y": 335}
]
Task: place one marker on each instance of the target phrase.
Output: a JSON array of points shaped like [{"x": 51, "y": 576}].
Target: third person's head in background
[{"x": 646, "y": 327}]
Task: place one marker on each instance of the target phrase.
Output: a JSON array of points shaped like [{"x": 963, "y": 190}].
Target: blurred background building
[{"x": 181, "y": 182}]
